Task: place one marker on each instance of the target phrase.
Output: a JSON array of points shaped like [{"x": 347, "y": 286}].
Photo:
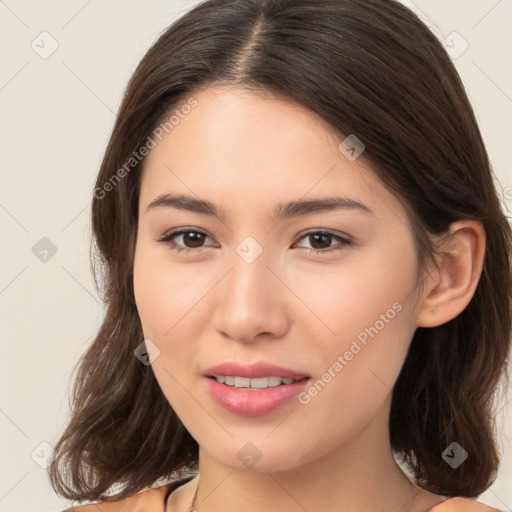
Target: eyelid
[
  {"x": 326, "y": 231},
  {"x": 302, "y": 234},
  {"x": 173, "y": 233}
]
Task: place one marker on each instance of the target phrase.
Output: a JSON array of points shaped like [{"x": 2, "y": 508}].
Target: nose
[{"x": 252, "y": 301}]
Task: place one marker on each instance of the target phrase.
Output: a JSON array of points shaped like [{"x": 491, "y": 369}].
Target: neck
[{"x": 359, "y": 475}]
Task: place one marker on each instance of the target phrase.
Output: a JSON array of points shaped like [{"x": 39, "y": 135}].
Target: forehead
[{"x": 238, "y": 146}]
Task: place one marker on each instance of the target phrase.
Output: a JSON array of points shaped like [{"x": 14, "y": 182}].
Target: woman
[{"x": 307, "y": 273}]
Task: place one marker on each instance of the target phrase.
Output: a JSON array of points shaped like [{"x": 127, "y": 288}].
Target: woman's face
[{"x": 252, "y": 287}]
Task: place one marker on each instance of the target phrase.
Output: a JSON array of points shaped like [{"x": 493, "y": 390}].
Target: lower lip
[{"x": 253, "y": 402}]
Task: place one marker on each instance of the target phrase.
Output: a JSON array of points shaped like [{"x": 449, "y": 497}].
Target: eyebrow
[{"x": 281, "y": 211}]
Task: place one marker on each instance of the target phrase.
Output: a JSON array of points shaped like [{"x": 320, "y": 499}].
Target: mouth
[
  {"x": 239, "y": 382},
  {"x": 253, "y": 396},
  {"x": 253, "y": 389}
]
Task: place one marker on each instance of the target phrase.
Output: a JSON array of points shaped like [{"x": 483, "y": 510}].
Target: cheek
[
  {"x": 164, "y": 293},
  {"x": 366, "y": 320},
  {"x": 367, "y": 291},
  {"x": 164, "y": 299},
  {"x": 153, "y": 304}
]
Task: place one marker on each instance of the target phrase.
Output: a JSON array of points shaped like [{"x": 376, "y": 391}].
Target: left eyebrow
[{"x": 281, "y": 211}]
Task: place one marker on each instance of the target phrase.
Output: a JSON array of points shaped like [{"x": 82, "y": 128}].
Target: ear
[{"x": 450, "y": 287}]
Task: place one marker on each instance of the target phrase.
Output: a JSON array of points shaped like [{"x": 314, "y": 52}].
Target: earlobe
[{"x": 451, "y": 286}]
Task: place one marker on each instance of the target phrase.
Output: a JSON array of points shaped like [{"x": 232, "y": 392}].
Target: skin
[{"x": 246, "y": 153}]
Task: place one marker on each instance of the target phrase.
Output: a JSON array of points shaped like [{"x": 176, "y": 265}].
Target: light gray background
[{"x": 56, "y": 116}]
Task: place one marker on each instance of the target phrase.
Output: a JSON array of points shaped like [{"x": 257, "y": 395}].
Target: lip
[
  {"x": 253, "y": 402},
  {"x": 253, "y": 371}
]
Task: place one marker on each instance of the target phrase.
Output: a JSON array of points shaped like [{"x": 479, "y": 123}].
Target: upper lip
[{"x": 253, "y": 371}]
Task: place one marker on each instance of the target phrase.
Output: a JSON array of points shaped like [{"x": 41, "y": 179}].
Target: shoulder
[
  {"x": 463, "y": 505},
  {"x": 154, "y": 500},
  {"x": 150, "y": 500}
]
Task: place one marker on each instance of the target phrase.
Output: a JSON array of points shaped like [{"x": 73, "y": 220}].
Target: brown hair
[{"x": 369, "y": 68}]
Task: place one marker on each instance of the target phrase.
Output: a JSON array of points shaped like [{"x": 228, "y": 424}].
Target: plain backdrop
[{"x": 64, "y": 68}]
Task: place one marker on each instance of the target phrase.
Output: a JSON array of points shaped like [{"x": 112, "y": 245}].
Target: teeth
[{"x": 259, "y": 383}]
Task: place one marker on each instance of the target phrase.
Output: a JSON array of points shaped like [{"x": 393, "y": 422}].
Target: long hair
[{"x": 372, "y": 69}]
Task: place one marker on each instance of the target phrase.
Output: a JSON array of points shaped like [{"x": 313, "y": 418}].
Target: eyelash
[{"x": 167, "y": 239}]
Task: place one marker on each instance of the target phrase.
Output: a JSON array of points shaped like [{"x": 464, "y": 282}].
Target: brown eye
[
  {"x": 194, "y": 238},
  {"x": 191, "y": 240},
  {"x": 321, "y": 241}
]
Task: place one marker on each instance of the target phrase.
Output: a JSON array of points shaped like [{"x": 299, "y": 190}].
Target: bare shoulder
[
  {"x": 150, "y": 499},
  {"x": 463, "y": 505}
]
